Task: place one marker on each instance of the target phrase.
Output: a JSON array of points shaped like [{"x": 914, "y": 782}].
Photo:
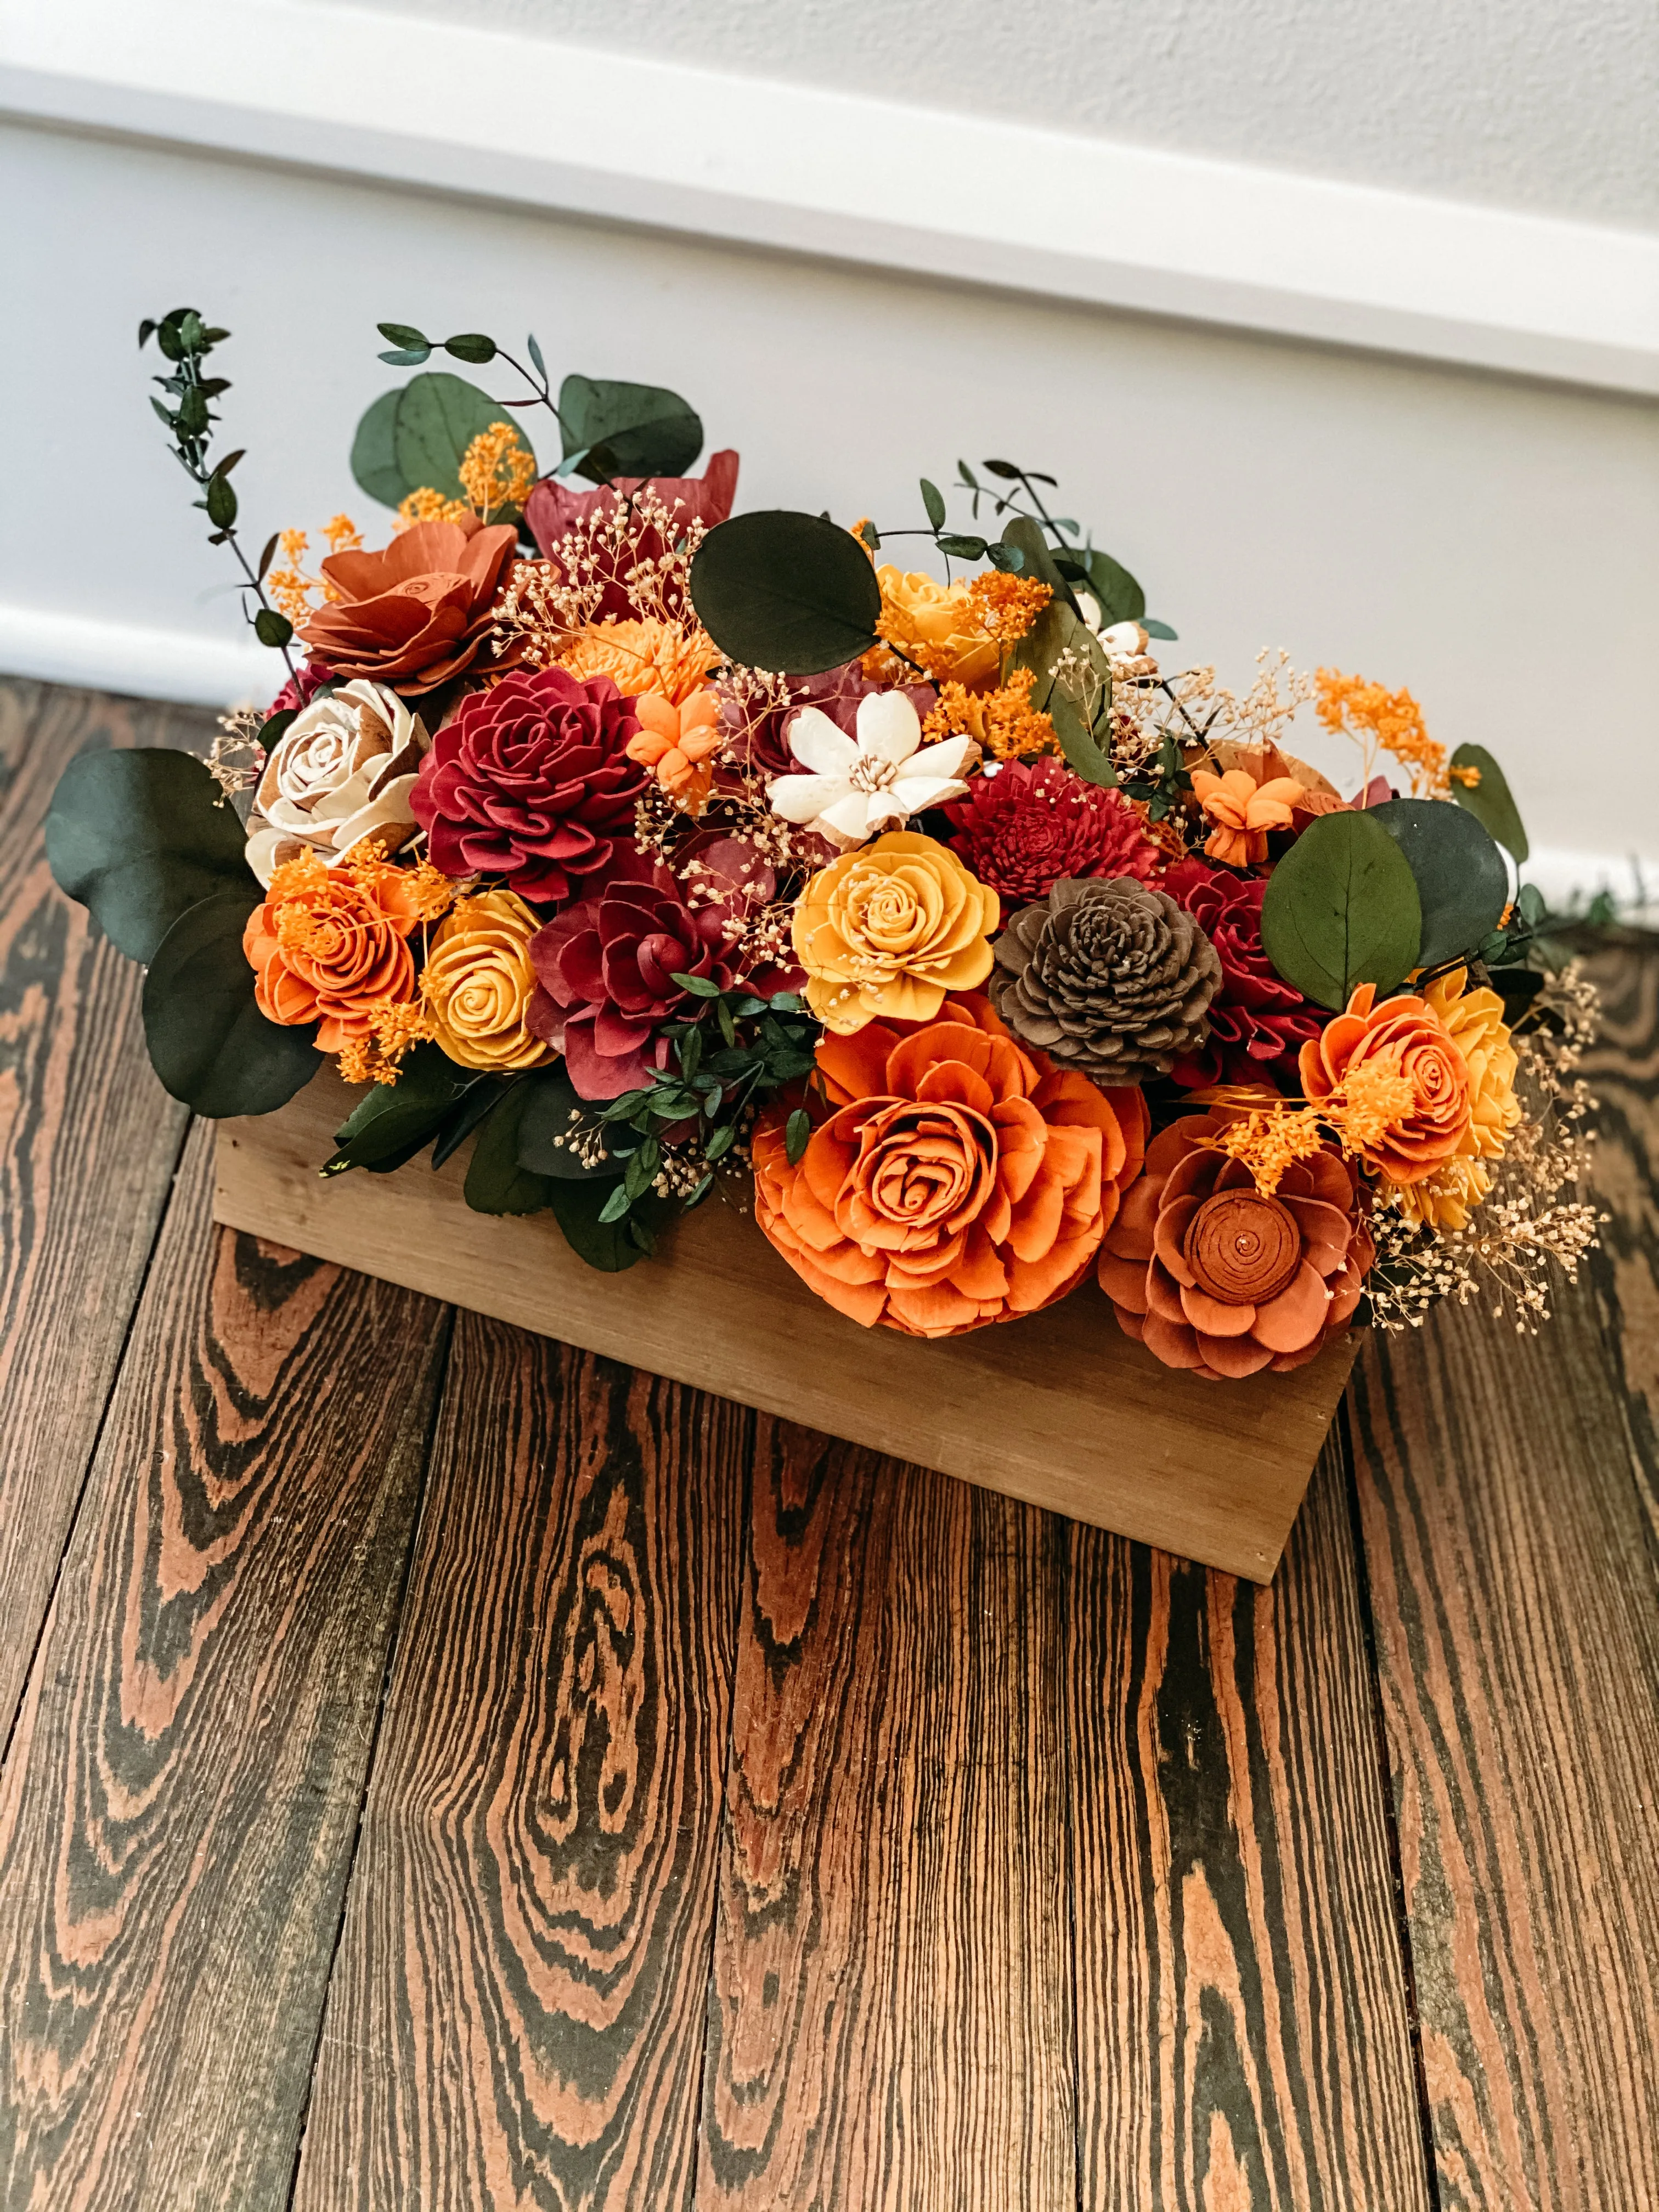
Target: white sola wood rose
[
  {"x": 860, "y": 786},
  {"x": 342, "y": 771}
]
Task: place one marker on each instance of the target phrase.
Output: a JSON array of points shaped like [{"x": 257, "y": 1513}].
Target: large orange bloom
[
  {"x": 1409, "y": 1038},
  {"x": 330, "y": 946},
  {"x": 960, "y": 1179},
  {"x": 1209, "y": 1274},
  {"x": 416, "y": 613}
]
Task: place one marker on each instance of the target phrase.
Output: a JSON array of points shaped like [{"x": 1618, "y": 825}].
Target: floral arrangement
[{"x": 662, "y": 854}]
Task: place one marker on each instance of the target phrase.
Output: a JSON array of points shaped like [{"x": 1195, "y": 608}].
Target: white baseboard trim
[
  {"x": 158, "y": 663},
  {"x": 137, "y": 660},
  {"x": 847, "y": 176}
]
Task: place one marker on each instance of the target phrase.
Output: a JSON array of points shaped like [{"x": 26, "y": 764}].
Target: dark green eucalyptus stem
[{"x": 185, "y": 341}]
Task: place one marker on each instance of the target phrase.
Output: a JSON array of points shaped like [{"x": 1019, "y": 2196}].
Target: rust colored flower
[
  {"x": 1244, "y": 811},
  {"x": 679, "y": 745},
  {"x": 416, "y": 613},
  {"x": 531, "y": 781},
  {"x": 1208, "y": 1273},
  {"x": 1408, "y": 1037},
  {"x": 885, "y": 932},
  {"x": 330, "y": 946},
  {"x": 478, "y": 982},
  {"x": 1474, "y": 1022},
  {"x": 958, "y": 1180}
]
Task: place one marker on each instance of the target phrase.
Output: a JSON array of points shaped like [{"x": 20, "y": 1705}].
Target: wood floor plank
[
  {"x": 1243, "y": 2037},
  {"x": 517, "y": 2016},
  {"x": 178, "y": 1812},
  {"x": 88, "y": 1143},
  {"x": 890, "y": 2023},
  {"x": 1622, "y": 1069},
  {"x": 1518, "y": 1637}
]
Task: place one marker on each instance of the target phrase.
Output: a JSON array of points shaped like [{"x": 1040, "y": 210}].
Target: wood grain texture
[
  {"x": 180, "y": 1806},
  {"x": 890, "y": 2015},
  {"x": 517, "y": 2016},
  {"x": 1622, "y": 1069},
  {"x": 87, "y": 1146},
  {"x": 1060, "y": 1409},
  {"x": 1243, "y": 2038},
  {"x": 1518, "y": 1637}
]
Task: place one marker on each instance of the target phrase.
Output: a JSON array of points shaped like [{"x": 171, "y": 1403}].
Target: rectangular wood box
[{"x": 1062, "y": 1409}]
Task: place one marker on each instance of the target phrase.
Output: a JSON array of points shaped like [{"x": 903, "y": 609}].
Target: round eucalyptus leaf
[
  {"x": 375, "y": 453},
  {"x": 550, "y": 1109},
  {"x": 627, "y": 430},
  {"x": 435, "y": 419},
  {"x": 391, "y": 1123},
  {"x": 1341, "y": 910},
  {"x": 1490, "y": 800},
  {"x": 495, "y": 1183},
  {"x": 209, "y": 1042},
  {"x": 792, "y": 593},
  {"x": 138, "y": 837},
  {"x": 1462, "y": 883}
]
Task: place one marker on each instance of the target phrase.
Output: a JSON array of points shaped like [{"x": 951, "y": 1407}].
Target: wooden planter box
[{"x": 1062, "y": 1410}]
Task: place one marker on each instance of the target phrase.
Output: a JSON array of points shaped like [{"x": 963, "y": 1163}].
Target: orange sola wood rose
[
  {"x": 958, "y": 1180},
  {"x": 1209, "y": 1272},
  {"x": 1409, "y": 1038},
  {"x": 330, "y": 946}
]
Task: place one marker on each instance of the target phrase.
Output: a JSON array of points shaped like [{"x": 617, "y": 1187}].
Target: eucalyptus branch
[{"x": 185, "y": 341}]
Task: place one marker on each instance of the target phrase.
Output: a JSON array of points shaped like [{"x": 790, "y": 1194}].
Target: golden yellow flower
[
  {"x": 1474, "y": 1022},
  {"x": 641, "y": 657},
  {"x": 478, "y": 982},
  {"x": 938, "y": 628},
  {"x": 887, "y": 931}
]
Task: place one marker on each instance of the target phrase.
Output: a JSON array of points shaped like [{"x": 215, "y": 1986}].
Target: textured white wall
[
  {"x": 1541, "y": 104},
  {"x": 1492, "y": 545}
]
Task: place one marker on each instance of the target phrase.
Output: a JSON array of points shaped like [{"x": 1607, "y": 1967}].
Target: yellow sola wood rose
[
  {"x": 885, "y": 932},
  {"x": 478, "y": 982}
]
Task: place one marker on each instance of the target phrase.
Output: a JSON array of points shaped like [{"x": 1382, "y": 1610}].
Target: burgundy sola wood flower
[
  {"x": 1034, "y": 824},
  {"x": 605, "y": 967},
  {"x": 1258, "y": 1021},
  {"x": 531, "y": 783}
]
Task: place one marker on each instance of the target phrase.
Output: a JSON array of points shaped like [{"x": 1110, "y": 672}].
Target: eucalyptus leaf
[
  {"x": 495, "y": 1183},
  {"x": 138, "y": 837},
  {"x": 1341, "y": 910},
  {"x": 392, "y": 1122},
  {"x": 606, "y": 1245},
  {"x": 272, "y": 629},
  {"x": 209, "y": 1042},
  {"x": 463, "y": 1118},
  {"x": 933, "y": 499},
  {"x": 375, "y": 456},
  {"x": 1462, "y": 883},
  {"x": 1028, "y": 540},
  {"x": 550, "y": 1104},
  {"x": 1490, "y": 800},
  {"x": 1055, "y": 632},
  {"x": 1121, "y": 598},
  {"x": 627, "y": 430},
  {"x": 785, "y": 591},
  {"x": 436, "y": 418}
]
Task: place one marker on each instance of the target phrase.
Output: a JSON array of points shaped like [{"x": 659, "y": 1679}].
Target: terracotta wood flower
[
  {"x": 417, "y": 612},
  {"x": 1210, "y": 1275},
  {"x": 958, "y": 1180}
]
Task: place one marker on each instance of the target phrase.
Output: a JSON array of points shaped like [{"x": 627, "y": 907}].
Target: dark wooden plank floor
[{"x": 448, "y": 1771}]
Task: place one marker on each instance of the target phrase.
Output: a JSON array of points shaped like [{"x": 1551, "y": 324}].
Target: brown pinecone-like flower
[{"x": 1109, "y": 976}]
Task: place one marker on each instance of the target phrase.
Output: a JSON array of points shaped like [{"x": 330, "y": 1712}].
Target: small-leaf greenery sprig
[{"x": 185, "y": 341}]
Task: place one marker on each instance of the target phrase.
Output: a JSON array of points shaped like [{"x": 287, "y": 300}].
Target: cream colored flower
[
  {"x": 342, "y": 771},
  {"x": 478, "y": 982},
  {"x": 860, "y": 786}
]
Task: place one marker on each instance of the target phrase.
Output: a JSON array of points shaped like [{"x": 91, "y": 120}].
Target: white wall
[{"x": 1491, "y": 543}]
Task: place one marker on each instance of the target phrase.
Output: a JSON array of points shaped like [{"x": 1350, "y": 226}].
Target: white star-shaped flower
[{"x": 859, "y": 787}]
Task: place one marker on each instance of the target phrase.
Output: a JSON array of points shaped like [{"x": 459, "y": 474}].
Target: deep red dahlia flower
[
  {"x": 605, "y": 967},
  {"x": 530, "y": 782},
  {"x": 1034, "y": 824},
  {"x": 1258, "y": 1021}
]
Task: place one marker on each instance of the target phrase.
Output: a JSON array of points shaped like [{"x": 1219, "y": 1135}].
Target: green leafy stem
[{"x": 185, "y": 341}]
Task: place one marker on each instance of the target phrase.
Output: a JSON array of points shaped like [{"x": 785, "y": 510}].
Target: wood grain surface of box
[{"x": 1062, "y": 1409}]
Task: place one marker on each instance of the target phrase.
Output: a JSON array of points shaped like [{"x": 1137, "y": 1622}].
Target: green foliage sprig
[{"x": 185, "y": 341}]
